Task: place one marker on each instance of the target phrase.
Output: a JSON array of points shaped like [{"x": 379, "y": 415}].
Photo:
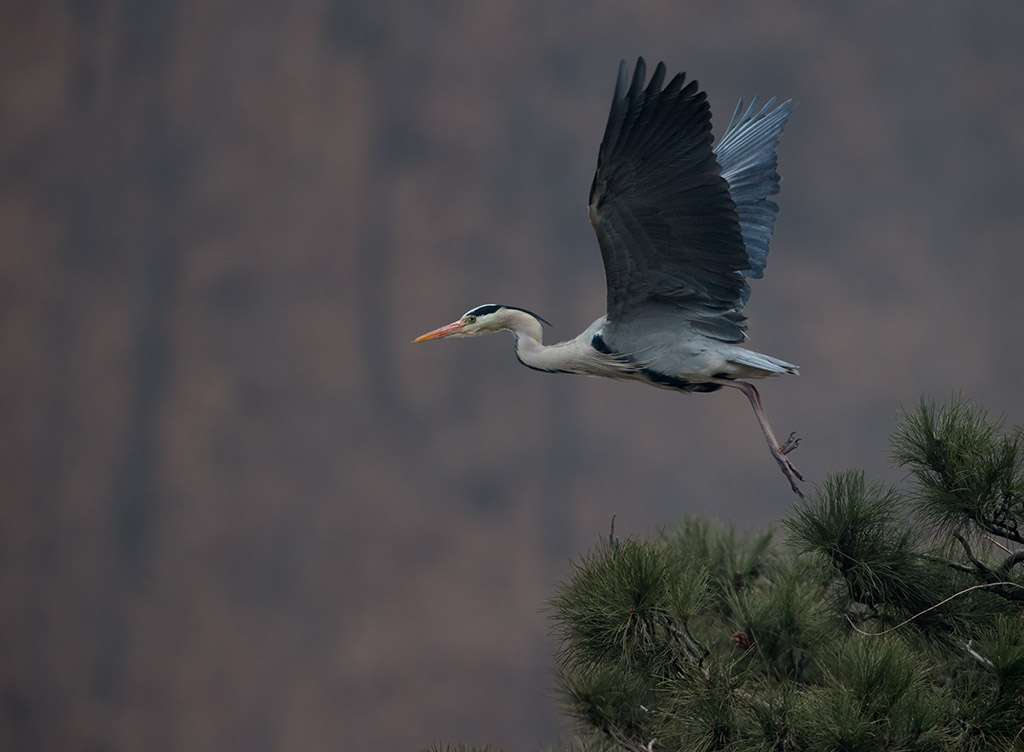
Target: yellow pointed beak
[{"x": 445, "y": 331}]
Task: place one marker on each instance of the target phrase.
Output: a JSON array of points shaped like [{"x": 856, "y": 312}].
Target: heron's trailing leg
[{"x": 778, "y": 451}]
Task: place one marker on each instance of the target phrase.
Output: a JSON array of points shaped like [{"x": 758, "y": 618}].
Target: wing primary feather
[
  {"x": 615, "y": 119},
  {"x": 747, "y": 154},
  {"x": 681, "y": 224}
]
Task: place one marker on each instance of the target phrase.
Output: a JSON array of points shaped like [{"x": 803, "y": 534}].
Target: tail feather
[{"x": 761, "y": 362}]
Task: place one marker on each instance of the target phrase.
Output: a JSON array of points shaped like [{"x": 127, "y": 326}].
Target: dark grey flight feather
[{"x": 674, "y": 240}]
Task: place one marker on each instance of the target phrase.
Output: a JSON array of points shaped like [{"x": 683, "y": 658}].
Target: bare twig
[
  {"x": 1015, "y": 738},
  {"x": 703, "y": 651},
  {"x": 932, "y": 608},
  {"x": 994, "y": 542},
  {"x": 693, "y": 646},
  {"x": 977, "y": 656}
]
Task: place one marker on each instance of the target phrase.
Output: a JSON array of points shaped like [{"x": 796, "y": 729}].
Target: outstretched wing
[
  {"x": 668, "y": 228},
  {"x": 746, "y": 154}
]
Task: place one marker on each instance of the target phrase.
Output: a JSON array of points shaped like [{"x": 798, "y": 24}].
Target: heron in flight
[{"x": 682, "y": 226}]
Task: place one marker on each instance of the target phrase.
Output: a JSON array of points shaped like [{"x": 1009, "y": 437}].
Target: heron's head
[{"x": 483, "y": 320}]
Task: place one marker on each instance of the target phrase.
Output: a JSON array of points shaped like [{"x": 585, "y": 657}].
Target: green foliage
[
  {"x": 787, "y": 622},
  {"x": 872, "y": 563},
  {"x": 625, "y": 605},
  {"x": 886, "y": 682},
  {"x": 854, "y": 526},
  {"x": 884, "y": 620},
  {"x": 875, "y": 694},
  {"x": 731, "y": 559},
  {"x": 969, "y": 472}
]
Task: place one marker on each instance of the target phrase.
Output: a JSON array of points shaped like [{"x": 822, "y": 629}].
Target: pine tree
[{"x": 882, "y": 619}]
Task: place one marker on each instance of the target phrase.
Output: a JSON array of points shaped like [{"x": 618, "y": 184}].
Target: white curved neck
[
  {"x": 534, "y": 354},
  {"x": 564, "y": 357},
  {"x": 530, "y": 348}
]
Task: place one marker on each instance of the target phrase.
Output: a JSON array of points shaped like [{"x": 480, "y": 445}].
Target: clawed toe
[
  {"x": 791, "y": 472},
  {"x": 792, "y": 475},
  {"x": 790, "y": 444}
]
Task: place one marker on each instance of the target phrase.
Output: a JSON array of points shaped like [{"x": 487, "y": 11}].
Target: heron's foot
[
  {"x": 790, "y": 444},
  {"x": 792, "y": 474}
]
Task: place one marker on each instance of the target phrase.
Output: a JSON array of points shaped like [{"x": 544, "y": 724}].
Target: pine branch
[
  {"x": 1009, "y": 590},
  {"x": 979, "y": 568},
  {"x": 696, "y": 651},
  {"x": 951, "y": 564},
  {"x": 1011, "y": 561}
]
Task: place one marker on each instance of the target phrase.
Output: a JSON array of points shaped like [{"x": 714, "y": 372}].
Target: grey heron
[{"x": 682, "y": 226}]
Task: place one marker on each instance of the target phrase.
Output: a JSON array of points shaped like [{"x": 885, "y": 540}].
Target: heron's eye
[{"x": 470, "y": 319}]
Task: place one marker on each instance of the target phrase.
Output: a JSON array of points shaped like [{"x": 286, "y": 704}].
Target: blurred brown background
[{"x": 241, "y": 512}]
